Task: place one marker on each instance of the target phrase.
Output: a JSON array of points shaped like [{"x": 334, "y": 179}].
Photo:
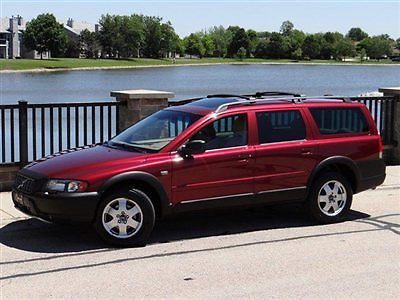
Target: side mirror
[{"x": 192, "y": 147}]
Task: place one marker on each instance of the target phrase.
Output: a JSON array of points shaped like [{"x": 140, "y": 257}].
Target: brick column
[
  {"x": 395, "y": 152},
  {"x": 137, "y": 104}
]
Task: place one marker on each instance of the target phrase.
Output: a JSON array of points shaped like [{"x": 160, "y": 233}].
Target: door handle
[
  {"x": 243, "y": 161},
  {"x": 306, "y": 152},
  {"x": 244, "y": 156}
]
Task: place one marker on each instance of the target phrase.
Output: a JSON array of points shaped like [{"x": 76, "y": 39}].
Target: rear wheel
[
  {"x": 125, "y": 218},
  {"x": 330, "y": 198}
]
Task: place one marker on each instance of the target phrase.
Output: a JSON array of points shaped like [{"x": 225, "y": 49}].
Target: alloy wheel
[
  {"x": 332, "y": 198},
  {"x": 122, "y": 218}
]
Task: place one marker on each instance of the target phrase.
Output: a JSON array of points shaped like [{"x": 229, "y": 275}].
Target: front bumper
[{"x": 58, "y": 207}]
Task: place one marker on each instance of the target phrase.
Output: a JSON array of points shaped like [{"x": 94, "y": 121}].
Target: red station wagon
[{"x": 221, "y": 150}]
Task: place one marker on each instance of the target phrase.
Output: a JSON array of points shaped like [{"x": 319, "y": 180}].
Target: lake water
[{"x": 188, "y": 82}]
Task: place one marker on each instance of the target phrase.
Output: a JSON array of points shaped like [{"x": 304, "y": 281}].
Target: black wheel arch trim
[
  {"x": 332, "y": 161},
  {"x": 144, "y": 177}
]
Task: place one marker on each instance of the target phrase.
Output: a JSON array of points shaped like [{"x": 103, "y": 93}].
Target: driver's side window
[{"x": 226, "y": 132}]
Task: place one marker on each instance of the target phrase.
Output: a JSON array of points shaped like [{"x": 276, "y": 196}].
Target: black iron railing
[
  {"x": 382, "y": 110},
  {"x": 31, "y": 131}
]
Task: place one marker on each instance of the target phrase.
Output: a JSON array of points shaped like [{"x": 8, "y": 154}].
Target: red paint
[{"x": 222, "y": 172}]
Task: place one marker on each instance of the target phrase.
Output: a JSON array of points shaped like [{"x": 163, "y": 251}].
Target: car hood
[{"x": 74, "y": 164}]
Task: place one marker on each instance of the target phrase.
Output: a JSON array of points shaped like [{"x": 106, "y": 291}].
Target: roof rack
[
  {"x": 225, "y": 106},
  {"x": 229, "y": 96},
  {"x": 267, "y": 93},
  {"x": 259, "y": 98},
  {"x": 294, "y": 100}
]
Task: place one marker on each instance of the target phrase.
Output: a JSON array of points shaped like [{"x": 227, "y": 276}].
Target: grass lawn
[{"x": 71, "y": 63}]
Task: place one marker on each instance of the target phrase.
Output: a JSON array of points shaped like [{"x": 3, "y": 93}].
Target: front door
[{"x": 223, "y": 171}]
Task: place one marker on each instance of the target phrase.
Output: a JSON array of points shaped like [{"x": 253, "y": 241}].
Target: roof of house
[
  {"x": 5, "y": 24},
  {"x": 78, "y": 26}
]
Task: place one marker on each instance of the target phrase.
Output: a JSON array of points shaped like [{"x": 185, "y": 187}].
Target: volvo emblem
[{"x": 21, "y": 185}]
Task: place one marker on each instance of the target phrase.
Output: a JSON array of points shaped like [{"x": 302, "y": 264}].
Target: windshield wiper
[{"x": 127, "y": 146}]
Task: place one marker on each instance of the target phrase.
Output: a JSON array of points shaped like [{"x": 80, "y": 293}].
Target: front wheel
[
  {"x": 330, "y": 198},
  {"x": 125, "y": 218}
]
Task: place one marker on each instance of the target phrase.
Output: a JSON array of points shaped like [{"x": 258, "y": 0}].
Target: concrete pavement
[{"x": 273, "y": 252}]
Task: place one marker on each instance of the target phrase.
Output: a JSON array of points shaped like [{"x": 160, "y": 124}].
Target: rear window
[
  {"x": 339, "y": 120},
  {"x": 280, "y": 126}
]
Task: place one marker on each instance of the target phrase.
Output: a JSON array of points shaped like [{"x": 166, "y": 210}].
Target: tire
[
  {"x": 330, "y": 198},
  {"x": 125, "y": 218}
]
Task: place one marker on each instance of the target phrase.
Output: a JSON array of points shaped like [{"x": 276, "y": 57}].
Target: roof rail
[
  {"x": 229, "y": 96},
  {"x": 261, "y": 97},
  {"x": 222, "y": 107},
  {"x": 294, "y": 100},
  {"x": 267, "y": 93}
]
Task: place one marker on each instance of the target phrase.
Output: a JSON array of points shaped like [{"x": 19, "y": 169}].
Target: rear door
[{"x": 285, "y": 154}]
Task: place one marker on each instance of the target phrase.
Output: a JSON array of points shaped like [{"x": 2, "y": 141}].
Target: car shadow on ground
[{"x": 36, "y": 236}]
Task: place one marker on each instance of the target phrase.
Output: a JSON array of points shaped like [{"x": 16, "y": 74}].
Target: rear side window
[
  {"x": 339, "y": 120},
  {"x": 280, "y": 126}
]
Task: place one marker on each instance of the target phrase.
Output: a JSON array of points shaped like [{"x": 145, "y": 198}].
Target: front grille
[{"x": 23, "y": 183}]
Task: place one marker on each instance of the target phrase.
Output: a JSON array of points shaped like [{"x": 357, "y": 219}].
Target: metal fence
[
  {"x": 382, "y": 110},
  {"x": 31, "y": 131}
]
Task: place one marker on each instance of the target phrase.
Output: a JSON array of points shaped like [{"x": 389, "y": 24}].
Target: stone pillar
[
  {"x": 395, "y": 151},
  {"x": 137, "y": 104}
]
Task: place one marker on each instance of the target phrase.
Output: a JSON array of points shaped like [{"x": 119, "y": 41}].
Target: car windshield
[{"x": 154, "y": 132}]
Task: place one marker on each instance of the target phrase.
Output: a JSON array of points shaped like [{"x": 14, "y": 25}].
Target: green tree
[
  {"x": 132, "y": 35},
  {"x": 363, "y": 55},
  {"x": 208, "y": 44},
  {"x": 193, "y": 45},
  {"x": 345, "y": 47},
  {"x": 264, "y": 35},
  {"x": 376, "y": 47},
  {"x": 44, "y": 33},
  {"x": 278, "y": 46},
  {"x": 221, "y": 38},
  {"x": 253, "y": 41},
  {"x": 239, "y": 39},
  {"x": 356, "y": 34},
  {"x": 262, "y": 49},
  {"x": 295, "y": 41},
  {"x": 89, "y": 43},
  {"x": 241, "y": 54},
  {"x": 111, "y": 37},
  {"x": 329, "y": 45},
  {"x": 286, "y": 28},
  {"x": 312, "y": 46},
  {"x": 169, "y": 40},
  {"x": 297, "y": 54},
  {"x": 72, "y": 48},
  {"x": 152, "y": 36}
]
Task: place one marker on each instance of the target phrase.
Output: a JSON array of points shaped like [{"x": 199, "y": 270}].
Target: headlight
[{"x": 69, "y": 186}]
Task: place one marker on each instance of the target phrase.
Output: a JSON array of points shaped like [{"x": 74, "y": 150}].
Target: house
[
  {"x": 12, "y": 35},
  {"x": 11, "y": 39},
  {"x": 74, "y": 28}
]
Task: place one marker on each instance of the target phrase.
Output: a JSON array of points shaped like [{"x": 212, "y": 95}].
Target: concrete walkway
[{"x": 271, "y": 252}]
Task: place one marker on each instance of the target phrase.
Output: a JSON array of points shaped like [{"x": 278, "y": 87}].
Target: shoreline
[{"x": 49, "y": 70}]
